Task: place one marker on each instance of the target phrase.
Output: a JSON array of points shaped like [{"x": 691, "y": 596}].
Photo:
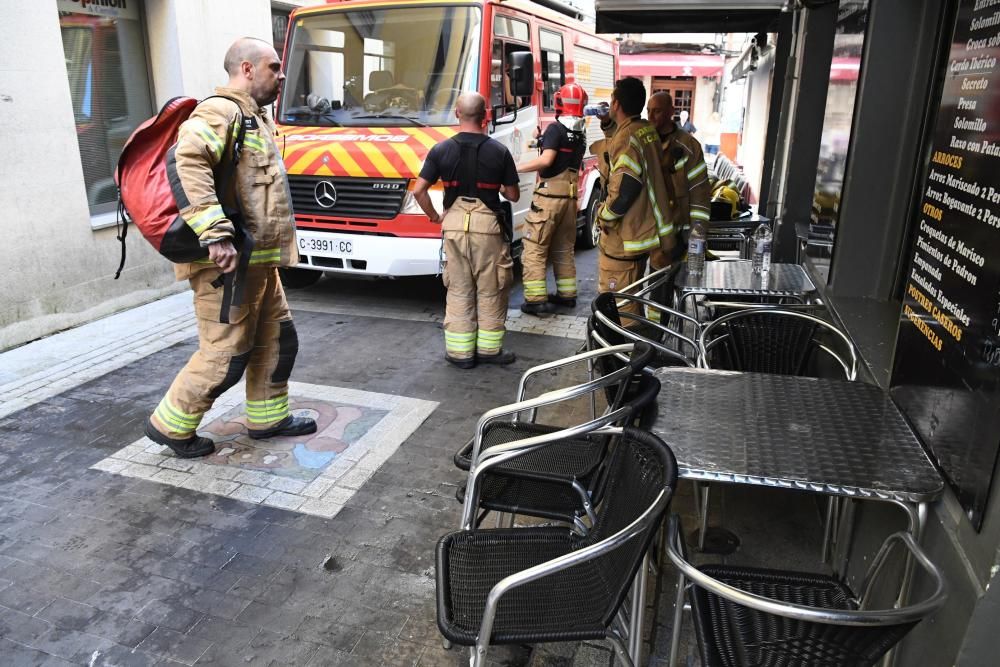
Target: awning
[
  {"x": 670, "y": 64},
  {"x": 620, "y": 16}
]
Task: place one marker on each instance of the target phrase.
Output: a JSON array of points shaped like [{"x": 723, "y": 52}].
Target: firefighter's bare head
[
  {"x": 253, "y": 66},
  {"x": 470, "y": 109},
  {"x": 660, "y": 111}
]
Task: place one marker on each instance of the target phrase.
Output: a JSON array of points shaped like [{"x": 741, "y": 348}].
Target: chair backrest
[
  {"x": 772, "y": 617},
  {"x": 641, "y": 479},
  {"x": 774, "y": 340},
  {"x": 380, "y": 79},
  {"x": 608, "y": 322}
]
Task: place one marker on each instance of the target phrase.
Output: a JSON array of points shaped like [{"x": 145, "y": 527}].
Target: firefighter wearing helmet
[{"x": 550, "y": 226}]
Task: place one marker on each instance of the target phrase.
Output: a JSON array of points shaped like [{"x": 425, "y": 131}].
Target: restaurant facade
[{"x": 882, "y": 148}]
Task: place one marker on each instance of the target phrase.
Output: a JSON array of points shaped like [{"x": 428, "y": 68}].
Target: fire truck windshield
[{"x": 397, "y": 66}]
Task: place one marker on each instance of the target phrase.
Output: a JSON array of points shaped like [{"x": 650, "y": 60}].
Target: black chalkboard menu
[{"x": 947, "y": 369}]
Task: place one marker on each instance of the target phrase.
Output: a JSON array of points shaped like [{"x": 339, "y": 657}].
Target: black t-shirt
[
  {"x": 569, "y": 147},
  {"x": 495, "y": 168}
]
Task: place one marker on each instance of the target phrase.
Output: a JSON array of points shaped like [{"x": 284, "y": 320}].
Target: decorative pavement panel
[{"x": 357, "y": 431}]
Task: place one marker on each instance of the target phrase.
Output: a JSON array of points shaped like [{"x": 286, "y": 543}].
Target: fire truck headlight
[{"x": 411, "y": 207}]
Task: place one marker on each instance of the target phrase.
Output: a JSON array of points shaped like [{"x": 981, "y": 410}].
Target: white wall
[{"x": 57, "y": 271}]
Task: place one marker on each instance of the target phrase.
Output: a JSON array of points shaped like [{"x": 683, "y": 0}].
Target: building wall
[{"x": 59, "y": 270}]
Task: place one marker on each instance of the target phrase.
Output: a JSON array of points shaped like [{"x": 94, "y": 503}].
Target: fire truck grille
[{"x": 378, "y": 198}]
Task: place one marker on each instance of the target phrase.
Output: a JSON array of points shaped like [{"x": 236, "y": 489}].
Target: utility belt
[
  {"x": 560, "y": 186},
  {"x": 470, "y": 215},
  {"x": 632, "y": 258}
]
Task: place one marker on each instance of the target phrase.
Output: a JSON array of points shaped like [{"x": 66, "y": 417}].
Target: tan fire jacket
[
  {"x": 204, "y": 143},
  {"x": 686, "y": 178},
  {"x": 633, "y": 149}
]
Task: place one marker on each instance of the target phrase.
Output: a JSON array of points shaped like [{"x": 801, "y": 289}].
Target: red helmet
[{"x": 571, "y": 99}]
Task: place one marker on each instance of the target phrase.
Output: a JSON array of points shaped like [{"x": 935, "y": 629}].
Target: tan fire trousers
[
  {"x": 478, "y": 276},
  {"x": 615, "y": 274},
  {"x": 549, "y": 236},
  {"x": 259, "y": 340}
]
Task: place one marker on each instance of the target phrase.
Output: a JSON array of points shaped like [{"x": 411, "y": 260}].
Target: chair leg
[
  {"x": 446, "y": 644},
  {"x": 675, "y": 632},
  {"x": 638, "y": 611},
  {"x": 621, "y": 651},
  {"x": 703, "y": 491}
]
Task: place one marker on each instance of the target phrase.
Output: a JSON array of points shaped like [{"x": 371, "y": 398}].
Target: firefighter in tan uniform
[
  {"x": 633, "y": 218},
  {"x": 478, "y": 273},
  {"x": 685, "y": 173},
  {"x": 550, "y": 226},
  {"x": 259, "y": 337}
]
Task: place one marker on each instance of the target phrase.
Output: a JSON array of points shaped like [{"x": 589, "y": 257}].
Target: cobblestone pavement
[{"x": 317, "y": 551}]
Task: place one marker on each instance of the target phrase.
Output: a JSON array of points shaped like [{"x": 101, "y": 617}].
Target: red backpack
[{"x": 147, "y": 200}]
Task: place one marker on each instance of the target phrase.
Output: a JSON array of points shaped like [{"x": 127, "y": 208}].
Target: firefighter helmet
[
  {"x": 570, "y": 100},
  {"x": 725, "y": 204}
]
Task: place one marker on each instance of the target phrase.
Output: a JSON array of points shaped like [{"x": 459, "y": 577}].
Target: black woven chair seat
[
  {"x": 561, "y": 607},
  {"x": 545, "y": 498},
  {"x": 568, "y": 458},
  {"x": 731, "y": 635}
]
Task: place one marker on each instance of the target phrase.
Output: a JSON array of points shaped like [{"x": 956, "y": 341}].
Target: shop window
[
  {"x": 553, "y": 66},
  {"x": 105, "y": 56},
  {"x": 279, "y": 28}
]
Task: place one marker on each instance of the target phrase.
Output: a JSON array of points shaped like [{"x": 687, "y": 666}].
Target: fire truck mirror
[{"x": 522, "y": 72}]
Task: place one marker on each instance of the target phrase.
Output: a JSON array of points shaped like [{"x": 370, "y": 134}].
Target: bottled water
[
  {"x": 696, "y": 250},
  {"x": 761, "y": 249},
  {"x": 601, "y": 109}
]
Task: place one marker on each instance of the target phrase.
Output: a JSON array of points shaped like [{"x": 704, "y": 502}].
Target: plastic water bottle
[
  {"x": 696, "y": 250},
  {"x": 600, "y": 109},
  {"x": 761, "y": 249}
]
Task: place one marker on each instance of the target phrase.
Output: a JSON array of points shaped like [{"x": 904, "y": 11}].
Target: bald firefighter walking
[
  {"x": 255, "y": 336},
  {"x": 550, "y": 227},
  {"x": 479, "y": 270}
]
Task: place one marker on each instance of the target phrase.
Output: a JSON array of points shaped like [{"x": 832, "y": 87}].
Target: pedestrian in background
[
  {"x": 259, "y": 337},
  {"x": 633, "y": 217},
  {"x": 550, "y": 226},
  {"x": 476, "y": 235}
]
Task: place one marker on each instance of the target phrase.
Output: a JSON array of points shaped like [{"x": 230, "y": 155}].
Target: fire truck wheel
[
  {"x": 299, "y": 278},
  {"x": 590, "y": 232}
]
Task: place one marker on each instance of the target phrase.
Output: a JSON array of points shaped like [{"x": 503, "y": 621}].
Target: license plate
[{"x": 325, "y": 245}]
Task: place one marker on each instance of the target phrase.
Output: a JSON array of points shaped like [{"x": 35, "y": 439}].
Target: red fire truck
[{"x": 372, "y": 86}]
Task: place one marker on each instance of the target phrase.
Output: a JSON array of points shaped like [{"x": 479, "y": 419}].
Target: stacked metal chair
[
  {"x": 546, "y": 584},
  {"x": 563, "y": 480}
]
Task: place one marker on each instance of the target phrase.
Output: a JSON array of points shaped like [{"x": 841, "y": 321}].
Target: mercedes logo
[{"x": 325, "y": 194}]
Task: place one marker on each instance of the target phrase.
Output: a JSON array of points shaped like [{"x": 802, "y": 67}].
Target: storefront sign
[
  {"x": 947, "y": 370},
  {"x": 121, "y": 9}
]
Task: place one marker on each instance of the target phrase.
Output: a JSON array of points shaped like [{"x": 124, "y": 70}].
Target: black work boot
[
  {"x": 540, "y": 308},
  {"x": 464, "y": 364},
  {"x": 187, "y": 448},
  {"x": 559, "y": 300},
  {"x": 290, "y": 425},
  {"x": 501, "y": 358}
]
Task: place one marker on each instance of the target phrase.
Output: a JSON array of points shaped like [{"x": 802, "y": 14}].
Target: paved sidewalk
[{"x": 112, "y": 553}]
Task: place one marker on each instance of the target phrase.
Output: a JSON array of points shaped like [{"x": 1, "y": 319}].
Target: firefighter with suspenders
[
  {"x": 550, "y": 226},
  {"x": 479, "y": 270}
]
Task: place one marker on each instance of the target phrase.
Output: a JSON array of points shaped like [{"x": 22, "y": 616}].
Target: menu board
[{"x": 947, "y": 369}]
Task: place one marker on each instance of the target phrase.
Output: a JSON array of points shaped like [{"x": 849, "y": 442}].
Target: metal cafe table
[
  {"x": 736, "y": 278},
  {"x": 833, "y": 437}
]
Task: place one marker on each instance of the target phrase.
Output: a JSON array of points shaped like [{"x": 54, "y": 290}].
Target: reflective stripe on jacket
[
  {"x": 686, "y": 176},
  {"x": 633, "y": 151}
]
